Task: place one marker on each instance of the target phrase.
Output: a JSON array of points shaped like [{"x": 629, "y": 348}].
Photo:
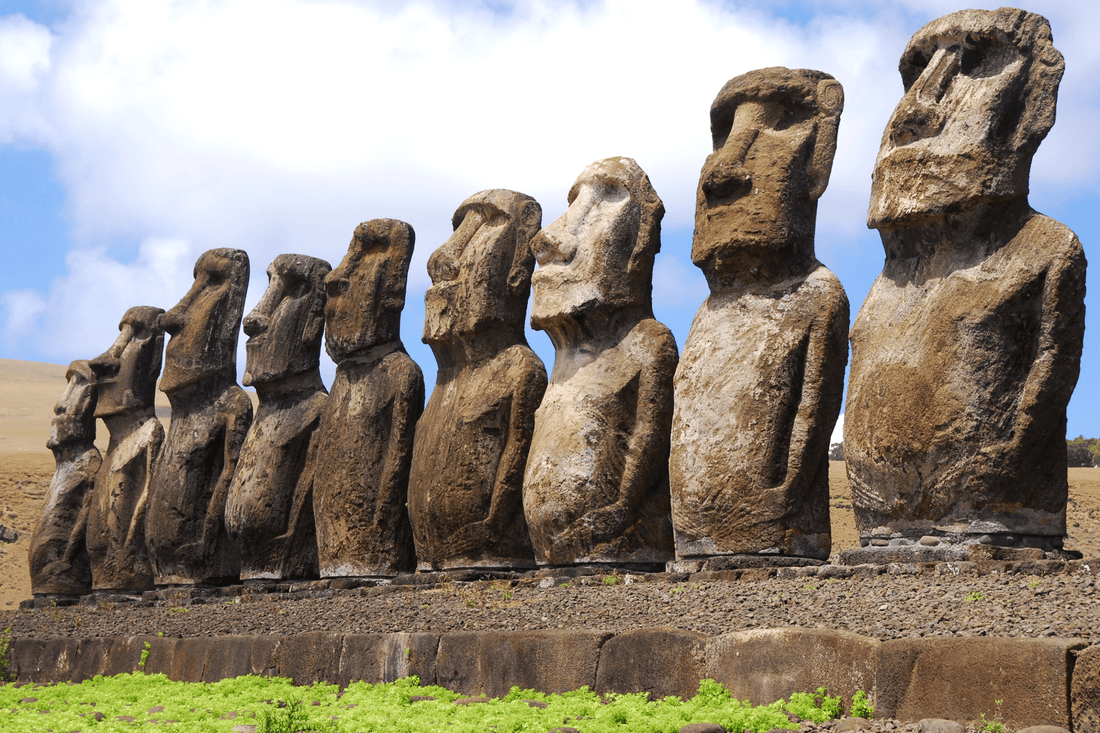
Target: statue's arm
[
  {"x": 408, "y": 403},
  {"x": 301, "y": 504},
  {"x": 1057, "y": 361},
  {"x": 507, "y": 500},
  {"x": 237, "y": 421},
  {"x": 647, "y": 450},
  {"x": 819, "y": 402},
  {"x": 151, "y": 451}
]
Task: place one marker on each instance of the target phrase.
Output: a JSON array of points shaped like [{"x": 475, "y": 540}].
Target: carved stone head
[
  {"x": 126, "y": 374},
  {"x": 285, "y": 328},
  {"x": 774, "y": 136},
  {"x": 74, "y": 415},
  {"x": 366, "y": 292},
  {"x": 481, "y": 276},
  {"x": 598, "y": 255},
  {"x": 205, "y": 323},
  {"x": 980, "y": 92}
]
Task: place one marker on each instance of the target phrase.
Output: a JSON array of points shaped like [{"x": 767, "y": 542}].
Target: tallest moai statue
[{"x": 967, "y": 349}]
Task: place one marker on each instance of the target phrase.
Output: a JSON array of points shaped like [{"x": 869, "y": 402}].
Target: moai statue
[
  {"x": 466, "y": 485},
  {"x": 127, "y": 377},
  {"x": 270, "y": 520},
  {"x": 596, "y": 486},
  {"x": 358, "y": 466},
  {"x": 967, "y": 349},
  {"x": 761, "y": 379},
  {"x": 58, "y": 557},
  {"x": 185, "y": 527}
]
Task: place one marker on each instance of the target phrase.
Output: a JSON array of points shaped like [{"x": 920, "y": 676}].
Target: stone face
[
  {"x": 211, "y": 414},
  {"x": 596, "y": 483},
  {"x": 127, "y": 377},
  {"x": 759, "y": 385},
  {"x": 967, "y": 349},
  {"x": 58, "y": 557},
  {"x": 265, "y": 513},
  {"x": 466, "y": 484},
  {"x": 358, "y": 465}
]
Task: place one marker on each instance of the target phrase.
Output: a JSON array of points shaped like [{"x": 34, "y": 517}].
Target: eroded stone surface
[
  {"x": 58, "y": 556},
  {"x": 358, "y": 465},
  {"x": 465, "y": 489},
  {"x": 266, "y": 514},
  {"x": 759, "y": 385},
  {"x": 127, "y": 377},
  {"x": 596, "y": 484},
  {"x": 967, "y": 349},
  {"x": 211, "y": 414}
]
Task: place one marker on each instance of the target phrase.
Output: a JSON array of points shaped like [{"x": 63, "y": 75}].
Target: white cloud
[
  {"x": 79, "y": 316},
  {"x": 24, "y": 60},
  {"x": 278, "y": 125}
]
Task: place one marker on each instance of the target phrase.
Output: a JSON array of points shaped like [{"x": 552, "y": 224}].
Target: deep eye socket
[
  {"x": 336, "y": 286},
  {"x": 296, "y": 288},
  {"x": 791, "y": 115},
  {"x": 720, "y": 133},
  {"x": 913, "y": 67},
  {"x": 983, "y": 57}
]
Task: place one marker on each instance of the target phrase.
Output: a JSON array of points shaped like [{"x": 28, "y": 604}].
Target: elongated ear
[
  {"x": 830, "y": 103},
  {"x": 529, "y": 224}
]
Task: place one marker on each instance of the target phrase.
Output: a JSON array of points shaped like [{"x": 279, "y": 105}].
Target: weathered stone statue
[
  {"x": 58, "y": 557},
  {"x": 967, "y": 349},
  {"x": 127, "y": 377},
  {"x": 596, "y": 484},
  {"x": 759, "y": 385},
  {"x": 266, "y": 514},
  {"x": 186, "y": 532},
  {"x": 466, "y": 485},
  {"x": 358, "y": 466}
]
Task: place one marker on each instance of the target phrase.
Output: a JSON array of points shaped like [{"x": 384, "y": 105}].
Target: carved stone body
[
  {"x": 57, "y": 555},
  {"x": 211, "y": 414},
  {"x": 466, "y": 485},
  {"x": 967, "y": 349},
  {"x": 596, "y": 484},
  {"x": 265, "y": 513},
  {"x": 759, "y": 385},
  {"x": 127, "y": 377},
  {"x": 358, "y": 466}
]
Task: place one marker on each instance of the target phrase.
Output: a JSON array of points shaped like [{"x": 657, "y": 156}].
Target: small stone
[
  {"x": 939, "y": 725},
  {"x": 244, "y": 729},
  {"x": 879, "y": 542},
  {"x": 850, "y": 724},
  {"x": 126, "y": 718},
  {"x": 156, "y": 709},
  {"x": 27, "y": 700},
  {"x": 929, "y": 541},
  {"x": 231, "y": 715},
  {"x": 1043, "y": 729},
  {"x": 565, "y": 729},
  {"x": 421, "y": 698},
  {"x": 471, "y": 700},
  {"x": 535, "y": 704}
]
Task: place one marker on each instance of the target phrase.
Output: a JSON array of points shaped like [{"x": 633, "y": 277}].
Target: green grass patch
[{"x": 273, "y": 704}]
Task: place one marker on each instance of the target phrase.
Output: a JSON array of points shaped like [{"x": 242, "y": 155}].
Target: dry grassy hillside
[{"x": 29, "y": 390}]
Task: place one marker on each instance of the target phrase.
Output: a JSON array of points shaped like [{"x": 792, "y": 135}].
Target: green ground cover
[{"x": 126, "y": 701}]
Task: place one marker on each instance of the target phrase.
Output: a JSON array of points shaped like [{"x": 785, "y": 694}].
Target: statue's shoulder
[{"x": 1041, "y": 234}]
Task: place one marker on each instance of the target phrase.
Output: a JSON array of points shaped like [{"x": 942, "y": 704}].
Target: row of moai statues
[{"x": 964, "y": 356}]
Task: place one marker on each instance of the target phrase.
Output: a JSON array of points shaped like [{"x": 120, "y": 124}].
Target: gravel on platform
[{"x": 881, "y": 607}]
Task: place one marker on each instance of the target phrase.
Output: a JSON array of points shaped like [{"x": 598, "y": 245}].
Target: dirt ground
[{"x": 28, "y": 391}]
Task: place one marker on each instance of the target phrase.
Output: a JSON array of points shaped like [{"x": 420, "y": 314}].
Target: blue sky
[{"x": 136, "y": 134}]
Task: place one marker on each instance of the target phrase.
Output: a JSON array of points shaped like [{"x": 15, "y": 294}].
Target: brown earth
[{"x": 28, "y": 391}]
